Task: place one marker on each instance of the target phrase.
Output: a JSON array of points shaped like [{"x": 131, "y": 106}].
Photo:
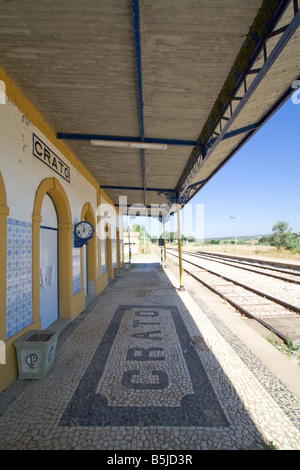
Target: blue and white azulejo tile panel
[
  {"x": 76, "y": 269},
  {"x": 19, "y": 276},
  {"x": 114, "y": 252},
  {"x": 103, "y": 263}
]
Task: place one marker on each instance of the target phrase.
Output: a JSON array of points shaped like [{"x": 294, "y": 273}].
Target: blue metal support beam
[
  {"x": 219, "y": 131},
  {"x": 220, "y": 128},
  {"x": 169, "y": 142},
  {"x": 138, "y": 58},
  {"x": 249, "y": 135},
  {"x": 135, "y": 188},
  {"x": 117, "y": 138},
  {"x": 171, "y": 194}
]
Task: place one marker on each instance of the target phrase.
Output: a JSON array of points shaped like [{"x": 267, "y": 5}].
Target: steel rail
[
  {"x": 265, "y": 264},
  {"x": 251, "y": 289},
  {"x": 239, "y": 307},
  {"x": 229, "y": 263}
]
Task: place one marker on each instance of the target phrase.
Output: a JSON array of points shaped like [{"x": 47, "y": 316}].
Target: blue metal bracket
[
  {"x": 219, "y": 131},
  {"x": 118, "y": 138},
  {"x": 138, "y": 57},
  {"x": 78, "y": 242},
  {"x": 184, "y": 197},
  {"x": 171, "y": 195},
  {"x": 137, "y": 188}
]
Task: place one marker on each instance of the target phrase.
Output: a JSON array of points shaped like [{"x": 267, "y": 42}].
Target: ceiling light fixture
[{"x": 131, "y": 145}]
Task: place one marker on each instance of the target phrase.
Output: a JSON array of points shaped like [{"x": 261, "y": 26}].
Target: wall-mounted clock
[{"x": 83, "y": 232}]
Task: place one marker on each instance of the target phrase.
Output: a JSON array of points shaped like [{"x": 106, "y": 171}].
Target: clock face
[{"x": 84, "y": 230}]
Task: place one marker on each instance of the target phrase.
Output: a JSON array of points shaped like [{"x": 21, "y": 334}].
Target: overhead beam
[
  {"x": 236, "y": 132},
  {"x": 168, "y": 142},
  {"x": 170, "y": 194},
  {"x": 117, "y": 138},
  {"x": 138, "y": 58},
  {"x": 250, "y": 134},
  {"x": 135, "y": 188},
  {"x": 201, "y": 153},
  {"x": 133, "y": 145}
]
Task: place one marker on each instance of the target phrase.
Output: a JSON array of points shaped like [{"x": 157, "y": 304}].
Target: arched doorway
[
  {"x": 51, "y": 190},
  {"x": 108, "y": 251},
  {"x": 49, "y": 299},
  {"x": 89, "y": 256},
  {"x": 119, "y": 249},
  {"x": 4, "y": 212}
]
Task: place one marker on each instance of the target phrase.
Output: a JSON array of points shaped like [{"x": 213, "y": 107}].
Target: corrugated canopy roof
[{"x": 199, "y": 76}]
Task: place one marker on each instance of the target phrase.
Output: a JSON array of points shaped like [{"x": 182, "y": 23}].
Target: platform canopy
[{"x": 153, "y": 96}]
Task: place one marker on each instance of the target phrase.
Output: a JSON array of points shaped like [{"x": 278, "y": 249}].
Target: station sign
[{"x": 41, "y": 151}]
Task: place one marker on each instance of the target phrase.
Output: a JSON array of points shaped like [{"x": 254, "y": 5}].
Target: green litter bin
[
  {"x": 35, "y": 353},
  {"x": 118, "y": 272}
]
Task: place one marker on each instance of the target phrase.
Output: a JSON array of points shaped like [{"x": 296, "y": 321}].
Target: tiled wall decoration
[
  {"x": 103, "y": 265},
  {"x": 121, "y": 250},
  {"x": 19, "y": 273},
  {"x": 19, "y": 276},
  {"x": 97, "y": 257},
  {"x": 76, "y": 268},
  {"x": 114, "y": 252}
]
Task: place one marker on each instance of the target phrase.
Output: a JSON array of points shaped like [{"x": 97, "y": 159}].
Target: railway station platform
[{"x": 148, "y": 367}]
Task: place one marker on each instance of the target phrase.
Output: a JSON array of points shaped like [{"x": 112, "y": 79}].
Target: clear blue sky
[{"x": 259, "y": 185}]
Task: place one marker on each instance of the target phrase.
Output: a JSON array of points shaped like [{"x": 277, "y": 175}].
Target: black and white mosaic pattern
[
  {"x": 145, "y": 367},
  {"x": 145, "y": 371}
]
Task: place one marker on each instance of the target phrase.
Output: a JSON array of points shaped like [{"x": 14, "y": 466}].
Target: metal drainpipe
[
  {"x": 181, "y": 287},
  {"x": 165, "y": 252}
]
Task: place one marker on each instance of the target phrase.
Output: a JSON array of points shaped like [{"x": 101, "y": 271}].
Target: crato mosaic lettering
[
  {"x": 146, "y": 313},
  {"x": 129, "y": 374},
  {"x": 141, "y": 354}
]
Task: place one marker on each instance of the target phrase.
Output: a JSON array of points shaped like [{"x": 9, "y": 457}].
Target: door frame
[
  {"x": 65, "y": 259},
  {"x": 88, "y": 214},
  {"x": 4, "y": 213},
  {"x": 45, "y": 227},
  {"x": 108, "y": 251}
]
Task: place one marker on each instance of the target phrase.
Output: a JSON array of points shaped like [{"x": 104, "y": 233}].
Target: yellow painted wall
[{"x": 69, "y": 305}]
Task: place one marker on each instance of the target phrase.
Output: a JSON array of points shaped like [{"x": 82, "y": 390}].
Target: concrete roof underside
[{"x": 200, "y": 76}]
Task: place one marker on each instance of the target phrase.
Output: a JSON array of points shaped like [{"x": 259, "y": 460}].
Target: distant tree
[
  {"x": 170, "y": 236},
  {"x": 282, "y": 237},
  {"x": 141, "y": 229},
  {"x": 266, "y": 240},
  {"x": 293, "y": 243},
  {"x": 281, "y": 234},
  {"x": 136, "y": 228}
]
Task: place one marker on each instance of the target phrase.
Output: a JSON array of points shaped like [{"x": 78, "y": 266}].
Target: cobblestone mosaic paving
[
  {"x": 116, "y": 385},
  {"x": 145, "y": 371}
]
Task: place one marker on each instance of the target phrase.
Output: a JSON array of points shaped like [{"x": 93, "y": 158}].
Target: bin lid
[
  {"x": 41, "y": 337},
  {"x": 36, "y": 336}
]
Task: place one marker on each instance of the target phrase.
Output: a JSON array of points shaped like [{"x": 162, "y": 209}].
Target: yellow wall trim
[
  {"x": 72, "y": 306},
  {"x": 87, "y": 214},
  {"x": 16, "y": 95},
  {"x": 65, "y": 261},
  {"x": 101, "y": 283},
  {"x": 9, "y": 371},
  {"x": 4, "y": 212},
  {"x": 109, "y": 201}
]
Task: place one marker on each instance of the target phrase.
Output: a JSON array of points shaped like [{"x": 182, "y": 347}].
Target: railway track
[
  {"x": 250, "y": 302},
  {"x": 266, "y": 269}
]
